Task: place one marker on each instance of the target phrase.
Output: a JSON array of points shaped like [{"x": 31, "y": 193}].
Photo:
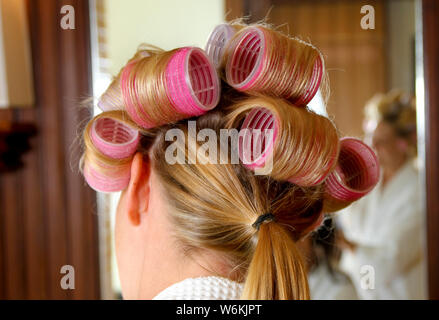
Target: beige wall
[
  {"x": 16, "y": 88},
  {"x": 165, "y": 23},
  {"x": 401, "y": 33}
]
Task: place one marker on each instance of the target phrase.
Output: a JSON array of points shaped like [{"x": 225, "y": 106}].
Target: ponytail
[{"x": 276, "y": 271}]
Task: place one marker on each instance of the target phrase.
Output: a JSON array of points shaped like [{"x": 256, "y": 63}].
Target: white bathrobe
[
  {"x": 388, "y": 227},
  {"x": 324, "y": 286}
]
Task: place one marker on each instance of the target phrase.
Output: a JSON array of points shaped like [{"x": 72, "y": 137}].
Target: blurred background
[{"x": 57, "y": 57}]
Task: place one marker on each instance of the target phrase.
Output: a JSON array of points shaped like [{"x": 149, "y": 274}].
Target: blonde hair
[{"x": 215, "y": 206}]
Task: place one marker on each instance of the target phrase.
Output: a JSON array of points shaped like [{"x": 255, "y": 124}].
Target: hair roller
[
  {"x": 112, "y": 98},
  {"x": 169, "y": 86},
  {"x": 356, "y": 174},
  {"x": 301, "y": 145},
  {"x": 111, "y": 142},
  {"x": 106, "y": 182},
  {"x": 113, "y": 138},
  {"x": 218, "y": 40},
  {"x": 263, "y": 61}
]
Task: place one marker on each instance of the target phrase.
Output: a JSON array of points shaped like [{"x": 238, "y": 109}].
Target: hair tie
[{"x": 268, "y": 217}]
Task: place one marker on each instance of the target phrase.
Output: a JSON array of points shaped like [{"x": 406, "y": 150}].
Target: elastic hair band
[{"x": 265, "y": 217}]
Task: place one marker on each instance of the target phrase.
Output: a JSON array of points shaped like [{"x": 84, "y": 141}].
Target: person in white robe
[
  {"x": 326, "y": 281},
  {"x": 383, "y": 233}
]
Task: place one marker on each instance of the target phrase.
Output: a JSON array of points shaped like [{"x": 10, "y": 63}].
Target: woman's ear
[{"x": 138, "y": 191}]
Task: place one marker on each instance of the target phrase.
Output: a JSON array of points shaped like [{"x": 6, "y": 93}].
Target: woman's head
[
  {"x": 188, "y": 209},
  {"x": 394, "y": 135},
  {"x": 212, "y": 207}
]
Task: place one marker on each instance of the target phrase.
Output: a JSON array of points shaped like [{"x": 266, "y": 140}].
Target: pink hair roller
[
  {"x": 106, "y": 183},
  {"x": 112, "y": 98},
  {"x": 113, "y": 138},
  {"x": 117, "y": 141},
  {"x": 192, "y": 82},
  {"x": 217, "y": 41},
  {"x": 192, "y": 87},
  {"x": 249, "y": 57},
  {"x": 356, "y": 173},
  {"x": 253, "y": 146}
]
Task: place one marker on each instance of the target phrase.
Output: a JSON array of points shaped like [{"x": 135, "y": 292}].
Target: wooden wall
[{"x": 47, "y": 213}]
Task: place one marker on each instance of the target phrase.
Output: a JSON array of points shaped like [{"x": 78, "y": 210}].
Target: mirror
[{"x": 375, "y": 248}]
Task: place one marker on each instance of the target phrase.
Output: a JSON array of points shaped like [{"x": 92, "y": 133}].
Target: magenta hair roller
[
  {"x": 255, "y": 144},
  {"x": 192, "y": 82},
  {"x": 257, "y": 62},
  {"x": 218, "y": 40},
  {"x": 113, "y": 138},
  {"x": 356, "y": 174}
]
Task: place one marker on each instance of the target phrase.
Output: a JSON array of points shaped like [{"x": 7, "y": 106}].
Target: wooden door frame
[{"x": 430, "y": 28}]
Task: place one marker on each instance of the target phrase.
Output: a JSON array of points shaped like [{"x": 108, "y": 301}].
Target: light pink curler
[
  {"x": 103, "y": 183},
  {"x": 253, "y": 146},
  {"x": 249, "y": 58},
  {"x": 112, "y": 98},
  {"x": 356, "y": 173},
  {"x": 192, "y": 82},
  {"x": 217, "y": 42},
  {"x": 113, "y": 138}
]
